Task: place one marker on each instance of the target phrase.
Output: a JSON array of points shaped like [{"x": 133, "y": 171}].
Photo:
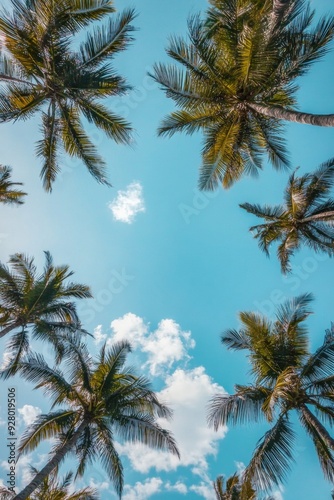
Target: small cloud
[
  {"x": 179, "y": 487},
  {"x": 204, "y": 490},
  {"x": 104, "y": 485},
  {"x": 29, "y": 413},
  {"x": 142, "y": 491},
  {"x": 128, "y": 203},
  {"x": 6, "y": 357},
  {"x": 164, "y": 346},
  {"x": 99, "y": 337}
]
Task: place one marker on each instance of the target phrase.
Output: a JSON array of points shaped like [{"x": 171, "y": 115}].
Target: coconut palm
[
  {"x": 238, "y": 82},
  {"x": 42, "y": 71},
  {"x": 9, "y": 194},
  {"x": 100, "y": 398},
  {"x": 286, "y": 378},
  {"x": 307, "y": 216},
  {"x": 37, "y": 301},
  {"x": 53, "y": 489},
  {"x": 234, "y": 489}
]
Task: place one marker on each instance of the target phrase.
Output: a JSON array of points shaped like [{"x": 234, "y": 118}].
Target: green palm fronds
[
  {"x": 234, "y": 76},
  {"x": 306, "y": 218},
  {"x": 287, "y": 378},
  {"x": 41, "y": 72}
]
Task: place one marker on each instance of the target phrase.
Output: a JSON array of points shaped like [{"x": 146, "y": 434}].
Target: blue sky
[{"x": 173, "y": 278}]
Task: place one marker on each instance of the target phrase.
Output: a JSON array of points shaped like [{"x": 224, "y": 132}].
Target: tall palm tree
[
  {"x": 53, "y": 489},
  {"x": 286, "y": 378},
  {"x": 238, "y": 82},
  {"x": 9, "y": 193},
  {"x": 41, "y": 71},
  {"x": 307, "y": 216},
  {"x": 234, "y": 489},
  {"x": 101, "y": 398},
  {"x": 40, "y": 301}
]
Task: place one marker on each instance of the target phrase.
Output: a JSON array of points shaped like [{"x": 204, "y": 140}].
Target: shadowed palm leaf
[
  {"x": 100, "y": 398},
  {"x": 234, "y": 489},
  {"x": 9, "y": 194},
  {"x": 239, "y": 67},
  {"x": 287, "y": 377},
  {"x": 37, "y": 300},
  {"x": 307, "y": 216},
  {"x": 41, "y": 72},
  {"x": 53, "y": 489}
]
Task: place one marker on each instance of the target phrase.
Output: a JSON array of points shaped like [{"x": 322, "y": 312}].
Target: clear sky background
[{"x": 174, "y": 272}]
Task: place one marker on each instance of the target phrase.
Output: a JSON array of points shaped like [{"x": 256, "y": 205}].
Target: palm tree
[
  {"x": 286, "y": 378},
  {"x": 237, "y": 86},
  {"x": 41, "y": 72},
  {"x": 234, "y": 490},
  {"x": 52, "y": 489},
  {"x": 8, "y": 193},
  {"x": 101, "y": 398},
  {"x": 307, "y": 216},
  {"x": 37, "y": 300}
]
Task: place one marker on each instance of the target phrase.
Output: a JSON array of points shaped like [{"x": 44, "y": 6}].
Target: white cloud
[
  {"x": 204, "y": 490},
  {"x": 103, "y": 485},
  {"x": 129, "y": 327},
  {"x": 167, "y": 345},
  {"x": 163, "y": 347},
  {"x": 186, "y": 392},
  {"x": 99, "y": 337},
  {"x": 128, "y": 203},
  {"x": 29, "y": 413},
  {"x": 6, "y": 357},
  {"x": 179, "y": 487},
  {"x": 142, "y": 491}
]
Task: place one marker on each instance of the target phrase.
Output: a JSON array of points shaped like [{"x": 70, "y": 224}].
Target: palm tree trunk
[
  {"x": 292, "y": 116},
  {"x": 312, "y": 419},
  {"x": 48, "y": 468},
  {"x": 326, "y": 215},
  {"x": 9, "y": 328}
]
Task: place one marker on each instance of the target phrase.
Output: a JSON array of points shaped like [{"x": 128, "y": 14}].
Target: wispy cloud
[
  {"x": 142, "y": 491},
  {"x": 128, "y": 203},
  {"x": 29, "y": 413},
  {"x": 163, "y": 347}
]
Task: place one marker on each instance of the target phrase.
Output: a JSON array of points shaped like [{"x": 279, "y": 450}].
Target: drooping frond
[
  {"x": 273, "y": 456},
  {"x": 241, "y": 408}
]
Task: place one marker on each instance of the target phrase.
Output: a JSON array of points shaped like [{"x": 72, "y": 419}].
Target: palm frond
[
  {"x": 272, "y": 458},
  {"x": 243, "y": 407},
  {"x": 108, "y": 40}
]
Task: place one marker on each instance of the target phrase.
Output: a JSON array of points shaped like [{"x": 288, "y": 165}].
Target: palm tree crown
[
  {"x": 234, "y": 489},
  {"x": 100, "y": 398},
  {"x": 9, "y": 194},
  {"x": 41, "y": 301},
  {"x": 41, "y": 72},
  {"x": 53, "y": 489},
  {"x": 307, "y": 216},
  {"x": 287, "y": 377},
  {"x": 239, "y": 67}
]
